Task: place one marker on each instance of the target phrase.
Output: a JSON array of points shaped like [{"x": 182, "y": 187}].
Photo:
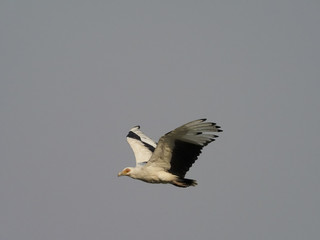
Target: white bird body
[
  {"x": 170, "y": 159},
  {"x": 151, "y": 174}
]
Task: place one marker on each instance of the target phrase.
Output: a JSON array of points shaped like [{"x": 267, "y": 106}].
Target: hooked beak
[{"x": 120, "y": 174}]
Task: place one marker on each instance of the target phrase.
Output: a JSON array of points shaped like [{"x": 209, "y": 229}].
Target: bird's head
[{"x": 125, "y": 172}]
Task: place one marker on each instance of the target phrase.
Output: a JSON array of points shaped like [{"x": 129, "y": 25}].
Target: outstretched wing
[
  {"x": 179, "y": 149},
  {"x": 142, "y": 146}
]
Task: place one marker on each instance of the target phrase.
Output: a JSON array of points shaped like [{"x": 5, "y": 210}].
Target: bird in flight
[{"x": 170, "y": 159}]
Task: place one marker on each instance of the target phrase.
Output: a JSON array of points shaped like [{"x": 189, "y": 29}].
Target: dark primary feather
[
  {"x": 137, "y": 137},
  {"x": 185, "y": 153},
  {"x": 175, "y": 152},
  {"x": 183, "y": 156}
]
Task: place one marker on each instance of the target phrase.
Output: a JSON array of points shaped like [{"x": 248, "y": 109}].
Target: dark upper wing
[
  {"x": 184, "y": 154},
  {"x": 180, "y": 148}
]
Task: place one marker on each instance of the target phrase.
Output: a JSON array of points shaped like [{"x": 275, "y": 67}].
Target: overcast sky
[{"x": 77, "y": 75}]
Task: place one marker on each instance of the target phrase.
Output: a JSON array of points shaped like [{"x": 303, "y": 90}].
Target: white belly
[{"x": 153, "y": 175}]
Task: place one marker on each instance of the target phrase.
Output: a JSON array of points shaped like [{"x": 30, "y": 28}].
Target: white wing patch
[
  {"x": 196, "y": 132},
  {"x": 179, "y": 149},
  {"x": 170, "y": 159},
  {"x": 142, "y": 146}
]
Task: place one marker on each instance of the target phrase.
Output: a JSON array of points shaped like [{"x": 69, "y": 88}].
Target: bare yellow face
[{"x": 124, "y": 172}]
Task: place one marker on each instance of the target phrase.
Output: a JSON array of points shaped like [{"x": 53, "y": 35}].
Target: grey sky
[{"x": 77, "y": 75}]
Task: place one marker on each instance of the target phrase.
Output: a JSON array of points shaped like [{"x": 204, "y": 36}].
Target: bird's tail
[{"x": 184, "y": 182}]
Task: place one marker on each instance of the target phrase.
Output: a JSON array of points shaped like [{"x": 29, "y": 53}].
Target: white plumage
[{"x": 170, "y": 159}]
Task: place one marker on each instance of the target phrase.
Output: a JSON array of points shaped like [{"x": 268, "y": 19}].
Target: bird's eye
[{"x": 127, "y": 170}]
